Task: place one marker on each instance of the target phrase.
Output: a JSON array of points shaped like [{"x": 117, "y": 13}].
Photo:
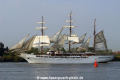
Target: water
[{"x": 26, "y": 71}]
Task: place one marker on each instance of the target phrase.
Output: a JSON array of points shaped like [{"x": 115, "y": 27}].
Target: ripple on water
[{"x": 26, "y": 71}]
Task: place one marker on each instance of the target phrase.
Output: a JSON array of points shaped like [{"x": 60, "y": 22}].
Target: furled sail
[
  {"x": 59, "y": 43},
  {"x": 38, "y": 45},
  {"x": 40, "y": 28},
  {"x": 74, "y": 35},
  {"x": 100, "y": 42},
  {"x": 20, "y": 44},
  {"x": 84, "y": 46},
  {"x": 41, "y": 41},
  {"x": 81, "y": 39},
  {"x": 55, "y": 37}
]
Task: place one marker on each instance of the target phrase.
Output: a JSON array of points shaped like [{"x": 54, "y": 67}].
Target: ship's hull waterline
[{"x": 66, "y": 60}]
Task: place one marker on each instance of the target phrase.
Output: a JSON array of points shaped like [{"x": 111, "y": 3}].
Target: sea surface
[{"x": 26, "y": 71}]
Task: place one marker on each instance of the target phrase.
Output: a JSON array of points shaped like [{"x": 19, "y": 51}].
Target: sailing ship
[{"x": 58, "y": 40}]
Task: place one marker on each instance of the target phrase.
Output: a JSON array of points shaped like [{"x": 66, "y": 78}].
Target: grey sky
[{"x": 19, "y": 17}]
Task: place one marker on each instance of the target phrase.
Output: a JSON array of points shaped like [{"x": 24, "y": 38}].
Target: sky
[{"x": 18, "y": 18}]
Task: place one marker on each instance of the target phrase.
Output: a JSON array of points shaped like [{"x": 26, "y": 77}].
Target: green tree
[
  {"x": 62, "y": 49},
  {"x": 73, "y": 50},
  {"x": 1, "y": 49},
  {"x": 90, "y": 49},
  {"x": 6, "y": 49},
  {"x": 110, "y": 51}
]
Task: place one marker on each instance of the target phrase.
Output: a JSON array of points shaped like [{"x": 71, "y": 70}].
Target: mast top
[
  {"x": 70, "y": 21},
  {"x": 94, "y": 36},
  {"x": 41, "y": 25},
  {"x": 41, "y": 22},
  {"x": 94, "y": 22}
]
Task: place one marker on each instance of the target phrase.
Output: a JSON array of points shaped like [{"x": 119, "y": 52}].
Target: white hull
[{"x": 66, "y": 60}]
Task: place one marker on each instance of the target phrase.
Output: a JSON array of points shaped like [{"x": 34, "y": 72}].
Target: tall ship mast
[
  {"x": 70, "y": 21},
  {"x": 99, "y": 41},
  {"x": 94, "y": 36},
  {"x": 42, "y": 28}
]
